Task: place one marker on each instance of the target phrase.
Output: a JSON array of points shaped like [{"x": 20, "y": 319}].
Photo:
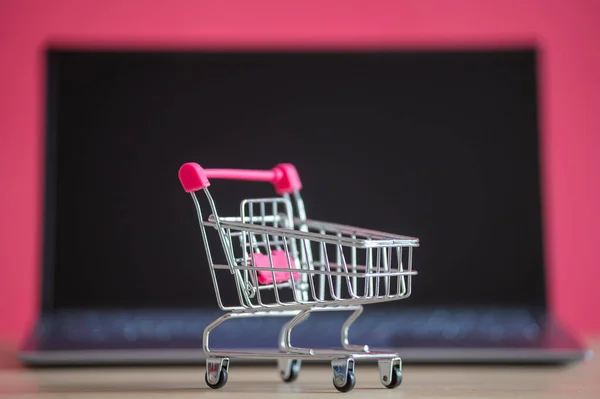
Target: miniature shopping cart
[{"x": 283, "y": 264}]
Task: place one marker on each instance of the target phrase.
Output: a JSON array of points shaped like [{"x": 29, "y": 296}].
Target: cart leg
[
  {"x": 343, "y": 374},
  {"x": 346, "y": 327},
  {"x": 290, "y": 368},
  {"x": 216, "y": 372},
  {"x": 390, "y": 372},
  {"x": 286, "y": 333},
  {"x": 209, "y": 328}
]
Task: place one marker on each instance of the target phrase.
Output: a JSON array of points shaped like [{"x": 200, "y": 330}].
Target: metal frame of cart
[{"x": 285, "y": 265}]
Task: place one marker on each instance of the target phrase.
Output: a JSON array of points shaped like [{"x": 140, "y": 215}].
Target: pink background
[{"x": 567, "y": 32}]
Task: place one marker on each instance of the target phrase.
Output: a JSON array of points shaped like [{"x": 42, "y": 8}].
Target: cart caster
[
  {"x": 343, "y": 374},
  {"x": 216, "y": 373},
  {"x": 221, "y": 381},
  {"x": 395, "y": 380},
  {"x": 289, "y": 369},
  {"x": 348, "y": 385},
  {"x": 390, "y": 372}
]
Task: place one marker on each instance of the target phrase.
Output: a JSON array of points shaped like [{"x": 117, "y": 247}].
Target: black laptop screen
[{"x": 442, "y": 146}]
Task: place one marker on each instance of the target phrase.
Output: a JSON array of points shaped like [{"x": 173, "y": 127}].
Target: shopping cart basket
[{"x": 283, "y": 264}]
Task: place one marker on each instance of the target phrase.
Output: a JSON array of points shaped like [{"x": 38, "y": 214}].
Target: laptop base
[{"x": 433, "y": 336}]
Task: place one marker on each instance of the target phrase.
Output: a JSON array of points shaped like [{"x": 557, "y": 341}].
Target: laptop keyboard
[{"x": 185, "y": 329}]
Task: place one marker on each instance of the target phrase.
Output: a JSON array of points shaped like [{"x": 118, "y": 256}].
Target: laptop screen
[{"x": 439, "y": 145}]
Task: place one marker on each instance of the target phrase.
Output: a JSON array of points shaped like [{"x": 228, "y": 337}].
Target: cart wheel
[
  {"x": 395, "y": 379},
  {"x": 349, "y": 385},
  {"x": 291, "y": 371},
  {"x": 220, "y": 382}
]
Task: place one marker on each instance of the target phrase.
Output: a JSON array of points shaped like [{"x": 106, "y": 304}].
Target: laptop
[{"x": 439, "y": 145}]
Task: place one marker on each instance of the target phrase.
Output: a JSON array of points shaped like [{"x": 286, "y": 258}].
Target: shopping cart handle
[{"x": 284, "y": 177}]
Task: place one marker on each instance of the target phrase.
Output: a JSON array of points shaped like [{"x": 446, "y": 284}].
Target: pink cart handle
[{"x": 283, "y": 177}]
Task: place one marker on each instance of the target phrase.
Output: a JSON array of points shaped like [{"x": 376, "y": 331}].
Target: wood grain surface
[{"x": 581, "y": 380}]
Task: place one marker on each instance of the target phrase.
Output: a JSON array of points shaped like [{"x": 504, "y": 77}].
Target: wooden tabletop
[{"x": 581, "y": 380}]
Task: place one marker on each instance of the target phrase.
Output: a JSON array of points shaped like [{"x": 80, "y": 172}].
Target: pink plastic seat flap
[{"x": 279, "y": 262}]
